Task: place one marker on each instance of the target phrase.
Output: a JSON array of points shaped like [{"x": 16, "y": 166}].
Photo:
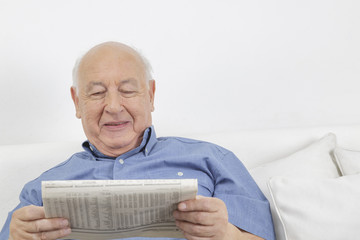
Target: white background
[{"x": 219, "y": 65}]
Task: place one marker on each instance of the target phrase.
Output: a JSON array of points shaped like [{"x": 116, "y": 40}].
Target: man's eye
[
  {"x": 128, "y": 93},
  {"x": 96, "y": 94}
]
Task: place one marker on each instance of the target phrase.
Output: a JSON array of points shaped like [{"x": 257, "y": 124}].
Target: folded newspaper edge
[{"x": 110, "y": 209}]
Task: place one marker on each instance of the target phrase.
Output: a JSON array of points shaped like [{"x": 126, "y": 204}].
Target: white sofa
[{"x": 310, "y": 198}]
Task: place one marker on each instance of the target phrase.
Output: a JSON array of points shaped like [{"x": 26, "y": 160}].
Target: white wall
[{"x": 219, "y": 65}]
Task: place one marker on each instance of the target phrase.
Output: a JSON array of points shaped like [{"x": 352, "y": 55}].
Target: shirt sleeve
[
  {"x": 28, "y": 196},
  {"x": 248, "y": 209}
]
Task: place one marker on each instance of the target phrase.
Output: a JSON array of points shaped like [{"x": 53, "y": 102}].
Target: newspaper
[{"x": 110, "y": 209}]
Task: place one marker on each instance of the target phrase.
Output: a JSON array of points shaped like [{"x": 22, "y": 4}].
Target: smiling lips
[{"x": 116, "y": 125}]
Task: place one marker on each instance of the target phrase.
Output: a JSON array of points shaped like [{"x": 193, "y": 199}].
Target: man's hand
[
  {"x": 202, "y": 218},
  {"x": 30, "y": 223},
  {"x": 206, "y": 218}
]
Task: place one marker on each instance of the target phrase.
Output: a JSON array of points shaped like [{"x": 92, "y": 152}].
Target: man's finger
[
  {"x": 191, "y": 237},
  {"x": 203, "y": 218},
  {"x": 52, "y": 234},
  {"x": 60, "y": 233},
  {"x": 45, "y": 225},
  {"x": 29, "y": 213},
  {"x": 196, "y": 229},
  {"x": 206, "y": 204}
]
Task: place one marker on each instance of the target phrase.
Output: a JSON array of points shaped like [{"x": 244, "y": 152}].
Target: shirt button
[
  {"x": 180, "y": 174},
  {"x": 121, "y": 161}
]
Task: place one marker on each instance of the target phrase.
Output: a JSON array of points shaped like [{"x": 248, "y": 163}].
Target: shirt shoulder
[
  {"x": 72, "y": 160},
  {"x": 193, "y": 144},
  {"x": 31, "y": 192},
  {"x": 62, "y": 170}
]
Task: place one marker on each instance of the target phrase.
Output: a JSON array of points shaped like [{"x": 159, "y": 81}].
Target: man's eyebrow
[
  {"x": 131, "y": 81},
  {"x": 92, "y": 84}
]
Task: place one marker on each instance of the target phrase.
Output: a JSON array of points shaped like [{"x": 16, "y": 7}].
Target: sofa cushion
[
  {"x": 348, "y": 160},
  {"x": 318, "y": 208},
  {"x": 313, "y": 161}
]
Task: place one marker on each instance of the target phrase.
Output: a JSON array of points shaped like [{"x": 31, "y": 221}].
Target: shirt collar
[
  {"x": 152, "y": 140},
  {"x": 148, "y": 142}
]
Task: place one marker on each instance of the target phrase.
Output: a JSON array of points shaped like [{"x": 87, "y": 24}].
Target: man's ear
[
  {"x": 152, "y": 93},
  {"x": 75, "y": 99}
]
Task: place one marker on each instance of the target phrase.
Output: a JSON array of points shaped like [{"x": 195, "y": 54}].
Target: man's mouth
[{"x": 116, "y": 124}]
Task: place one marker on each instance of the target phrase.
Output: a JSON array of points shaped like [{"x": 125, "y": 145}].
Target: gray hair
[{"x": 144, "y": 60}]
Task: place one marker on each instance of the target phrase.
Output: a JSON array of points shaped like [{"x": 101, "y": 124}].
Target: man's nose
[{"x": 114, "y": 103}]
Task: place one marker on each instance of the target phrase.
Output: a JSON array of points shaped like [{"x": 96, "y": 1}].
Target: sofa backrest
[
  {"x": 256, "y": 147},
  {"x": 22, "y": 163}
]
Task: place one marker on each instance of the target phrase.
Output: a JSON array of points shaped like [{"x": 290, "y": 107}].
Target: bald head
[{"x": 113, "y": 50}]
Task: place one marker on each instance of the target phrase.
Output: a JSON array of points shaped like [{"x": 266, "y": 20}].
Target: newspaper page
[{"x": 110, "y": 209}]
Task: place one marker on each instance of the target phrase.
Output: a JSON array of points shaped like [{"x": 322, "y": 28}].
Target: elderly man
[{"x": 113, "y": 93}]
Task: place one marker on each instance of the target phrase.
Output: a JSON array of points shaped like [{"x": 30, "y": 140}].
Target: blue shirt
[{"x": 219, "y": 172}]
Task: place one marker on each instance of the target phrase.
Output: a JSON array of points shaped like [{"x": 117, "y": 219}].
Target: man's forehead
[{"x": 105, "y": 58}]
